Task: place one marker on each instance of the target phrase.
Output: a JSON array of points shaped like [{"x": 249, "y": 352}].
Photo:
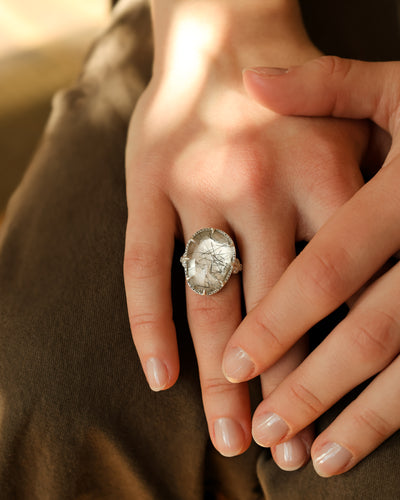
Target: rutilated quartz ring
[{"x": 209, "y": 260}]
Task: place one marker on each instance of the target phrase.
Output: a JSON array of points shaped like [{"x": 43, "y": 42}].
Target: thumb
[{"x": 330, "y": 86}]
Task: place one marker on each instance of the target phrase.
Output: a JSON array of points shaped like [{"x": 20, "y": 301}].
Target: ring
[{"x": 209, "y": 260}]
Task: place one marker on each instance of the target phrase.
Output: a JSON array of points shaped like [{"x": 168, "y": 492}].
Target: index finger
[
  {"x": 340, "y": 258},
  {"x": 357, "y": 241}
]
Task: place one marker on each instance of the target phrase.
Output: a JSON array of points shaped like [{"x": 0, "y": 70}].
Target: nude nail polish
[
  {"x": 157, "y": 374},
  {"x": 292, "y": 454},
  {"x": 269, "y": 429},
  {"x": 331, "y": 459},
  {"x": 228, "y": 437},
  {"x": 237, "y": 365}
]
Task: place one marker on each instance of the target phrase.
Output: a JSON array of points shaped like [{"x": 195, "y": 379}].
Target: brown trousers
[{"x": 77, "y": 419}]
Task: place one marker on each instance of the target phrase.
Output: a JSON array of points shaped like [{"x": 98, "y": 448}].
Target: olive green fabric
[{"x": 77, "y": 419}]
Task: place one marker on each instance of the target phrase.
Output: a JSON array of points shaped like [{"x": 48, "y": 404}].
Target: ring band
[{"x": 209, "y": 260}]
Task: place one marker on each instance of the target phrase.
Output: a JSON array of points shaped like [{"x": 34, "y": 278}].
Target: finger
[
  {"x": 147, "y": 273},
  {"x": 341, "y": 257},
  {"x": 360, "y": 346},
  {"x": 267, "y": 245},
  {"x": 267, "y": 249},
  {"x": 366, "y": 423},
  {"x": 212, "y": 320},
  {"x": 332, "y": 193},
  {"x": 330, "y": 86},
  {"x": 295, "y": 452}
]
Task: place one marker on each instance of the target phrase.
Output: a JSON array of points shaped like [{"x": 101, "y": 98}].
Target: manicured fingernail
[
  {"x": 265, "y": 71},
  {"x": 292, "y": 454},
  {"x": 331, "y": 459},
  {"x": 157, "y": 374},
  {"x": 269, "y": 429},
  {"x": 237, "y": 365},
  {"x": 228, "y": 437}
]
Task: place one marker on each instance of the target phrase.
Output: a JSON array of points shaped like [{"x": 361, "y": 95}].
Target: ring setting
[{"x": 209, "y": 261}]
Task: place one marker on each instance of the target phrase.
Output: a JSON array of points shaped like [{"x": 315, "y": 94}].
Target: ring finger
[{"x": 212, "y": 320}]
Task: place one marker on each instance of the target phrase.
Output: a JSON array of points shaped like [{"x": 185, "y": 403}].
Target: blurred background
[{"x": 42, "y": 45}]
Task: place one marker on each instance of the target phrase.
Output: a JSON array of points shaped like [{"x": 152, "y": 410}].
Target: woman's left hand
[{"x": 340, "y": 259}]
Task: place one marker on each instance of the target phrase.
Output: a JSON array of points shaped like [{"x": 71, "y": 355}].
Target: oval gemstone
[{"x": 208, "y": 260}]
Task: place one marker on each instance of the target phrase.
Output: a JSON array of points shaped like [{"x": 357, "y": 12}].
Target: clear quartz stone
[{"x": 208, "y": 260}]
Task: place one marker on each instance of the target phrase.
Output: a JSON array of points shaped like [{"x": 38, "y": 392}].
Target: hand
[
  {"x": 201, "y": 154},
  {"x": 346, "y": 252}
]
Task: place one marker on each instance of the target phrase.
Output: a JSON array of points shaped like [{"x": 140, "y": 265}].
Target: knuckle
[
  {"x": 376, "y": 424},
  {"x": 333, "y": 65},
  {"x": 141, "y": 262},
  {"x": 321, "y": 279},
  {"x": 338, "y": 190},
  {"x": 310, "y": 404},
  {"x": 208, "y": 311},
  {"x": 375, "y": 337},
  {"x": 253, "y": 180},
  {"x": 217, "y": 386},
  {"x": 146, "y": 321},
  {"x": 142, "y": 320}
]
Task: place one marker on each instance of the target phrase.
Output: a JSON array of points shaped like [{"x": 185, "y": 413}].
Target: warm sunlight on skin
[
  {"x": 183, "y": 73},
  {"x": 190, "y": 49},
  {"x": 190, "y": 33},
  {"x": 190, "y": 55},
  {"x": 238, "y": 109},
  {"x": 201, "y": 154}
]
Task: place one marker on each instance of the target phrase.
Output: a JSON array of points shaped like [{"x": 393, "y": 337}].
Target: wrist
[{"x": 191, "y": 34}]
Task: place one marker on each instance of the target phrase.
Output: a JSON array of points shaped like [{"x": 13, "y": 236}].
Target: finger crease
[
  {"x": 376, "y": 423},
  {"x": 145, "y": 319},
  {"x": 307, "y": 398},
  {"x": 265, "y": 331}
]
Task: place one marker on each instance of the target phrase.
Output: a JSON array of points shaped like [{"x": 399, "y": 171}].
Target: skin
[
  {"x": 342, "y": 258},
  {"x": 201, "y": 153}
]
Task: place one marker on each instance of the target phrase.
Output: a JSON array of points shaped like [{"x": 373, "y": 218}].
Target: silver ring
[{"x": 209, "y": 261}]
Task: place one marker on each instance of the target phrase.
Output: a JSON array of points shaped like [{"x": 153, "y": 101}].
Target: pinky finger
[
  {"x": 147, "y": 272},
  {"x": 365, "y": 424}
]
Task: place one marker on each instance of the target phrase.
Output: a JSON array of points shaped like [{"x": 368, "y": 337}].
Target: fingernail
[
  {"x": 265, "y": 71},
  {"x": 331, "y": 459},
  {"x": 157, "y": 374},
  {"x": 269, "y": 429},
  {"x": 292, "y": 454},
  {"x": 228, "y": 437},
  {"x": 237, "y": 365}
]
